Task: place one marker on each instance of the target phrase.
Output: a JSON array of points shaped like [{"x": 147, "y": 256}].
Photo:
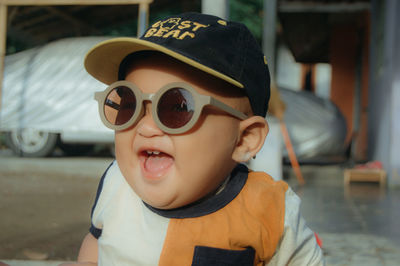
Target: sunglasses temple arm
[
  {"x": 227, "y": 109},
  {"x": 98, "y": 97}
]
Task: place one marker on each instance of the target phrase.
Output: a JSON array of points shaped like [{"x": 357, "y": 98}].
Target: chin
[
  {"x": 168, "y": 204},
  {"x": 157, "y": 201},
  {"x": 161, "y": 205}
]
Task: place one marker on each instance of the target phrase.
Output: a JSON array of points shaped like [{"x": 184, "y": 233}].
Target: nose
[{"x": 146, "y": 127}]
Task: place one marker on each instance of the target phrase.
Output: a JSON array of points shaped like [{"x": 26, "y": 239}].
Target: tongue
[{"x": 157, "y": 163}]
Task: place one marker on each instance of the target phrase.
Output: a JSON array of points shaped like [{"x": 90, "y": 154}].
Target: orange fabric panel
[{"x": 254, "y": 218}]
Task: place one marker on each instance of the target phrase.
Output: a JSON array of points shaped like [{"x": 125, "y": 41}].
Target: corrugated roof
[{"x": 34, "y": 25}]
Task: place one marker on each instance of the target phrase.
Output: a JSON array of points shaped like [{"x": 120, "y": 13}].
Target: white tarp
[
  {"x": 315, "y": 125},
  {"x": 47, "y": 88}
]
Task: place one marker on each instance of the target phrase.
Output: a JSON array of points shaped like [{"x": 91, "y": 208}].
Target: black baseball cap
[{"x": 224, "y": 49}]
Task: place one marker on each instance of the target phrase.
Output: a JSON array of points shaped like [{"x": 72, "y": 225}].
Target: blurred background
[{"x": 334, "y": 116}]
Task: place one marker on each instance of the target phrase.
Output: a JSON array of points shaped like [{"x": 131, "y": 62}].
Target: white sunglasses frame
[{"x": 200, "y": 101}]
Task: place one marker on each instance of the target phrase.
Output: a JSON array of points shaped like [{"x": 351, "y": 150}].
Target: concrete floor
[
  {"x": 358, "y": 224},
  {"x": 45, "y": 205}
]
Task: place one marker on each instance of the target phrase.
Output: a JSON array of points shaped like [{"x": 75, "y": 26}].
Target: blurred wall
[
  {"x": 349, "y": 86},
  {"x": 384, "y": 91}
]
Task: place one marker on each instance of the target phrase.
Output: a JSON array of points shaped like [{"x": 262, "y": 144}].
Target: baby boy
[{"x": 187, "y": 102}]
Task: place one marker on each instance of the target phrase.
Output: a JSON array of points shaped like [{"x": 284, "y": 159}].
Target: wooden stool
[{"x": 365, "y": 175}]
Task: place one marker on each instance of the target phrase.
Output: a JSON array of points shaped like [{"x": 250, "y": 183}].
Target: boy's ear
[{"x": 253, "y": 132}]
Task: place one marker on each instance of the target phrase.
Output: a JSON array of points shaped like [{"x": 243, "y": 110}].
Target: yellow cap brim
[{"x": 104, "y": 59}]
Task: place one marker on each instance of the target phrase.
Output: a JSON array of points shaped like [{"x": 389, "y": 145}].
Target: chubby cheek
[
  {"x": 123, "y": 144},
  {"x": 124, "y": 153},
  {"x": 206, "y": 159}
]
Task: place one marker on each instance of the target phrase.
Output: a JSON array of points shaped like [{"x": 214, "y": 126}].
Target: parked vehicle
[{"x": 47, "y": 102}]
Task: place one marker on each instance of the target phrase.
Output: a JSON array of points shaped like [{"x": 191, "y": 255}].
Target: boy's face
[{"x": 170, "y": 171}]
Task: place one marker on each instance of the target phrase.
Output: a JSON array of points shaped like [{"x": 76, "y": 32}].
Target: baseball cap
[{"x": 224, "y": 49}]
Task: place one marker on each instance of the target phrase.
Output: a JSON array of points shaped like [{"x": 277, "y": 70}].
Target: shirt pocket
[{"x": 207, "y": 256}]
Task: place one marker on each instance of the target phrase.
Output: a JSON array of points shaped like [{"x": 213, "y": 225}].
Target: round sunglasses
[{"x": 176, "y": 107}]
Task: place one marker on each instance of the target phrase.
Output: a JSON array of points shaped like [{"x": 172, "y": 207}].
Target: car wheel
[{"x": 31, "y": 143}]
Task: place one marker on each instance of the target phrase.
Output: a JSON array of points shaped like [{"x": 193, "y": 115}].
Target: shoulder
[
  {"x": 265, "y": 198},
  {"x": 111, "y": 191},
  {"x": 262, "y": 188},
  {"x": 297, "y": 244},
  {"x": 266, "y": 181}
]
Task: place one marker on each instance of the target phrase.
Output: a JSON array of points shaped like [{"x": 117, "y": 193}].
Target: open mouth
[{"x": 155, "y": 163}]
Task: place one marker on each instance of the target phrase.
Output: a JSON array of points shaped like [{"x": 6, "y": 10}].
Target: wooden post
[
  {"x": 291, "y": 153},
  {"x": 269, "y": 33},
  {"x": 3, "y": 37},
  {"x": 218, "y": 8},
  {"x": 143, "y": 18}
]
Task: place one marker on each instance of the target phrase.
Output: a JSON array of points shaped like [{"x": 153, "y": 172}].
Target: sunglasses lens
[
  {"x": 175, "y": 107},
  {"x": 120, "y": 105}
]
